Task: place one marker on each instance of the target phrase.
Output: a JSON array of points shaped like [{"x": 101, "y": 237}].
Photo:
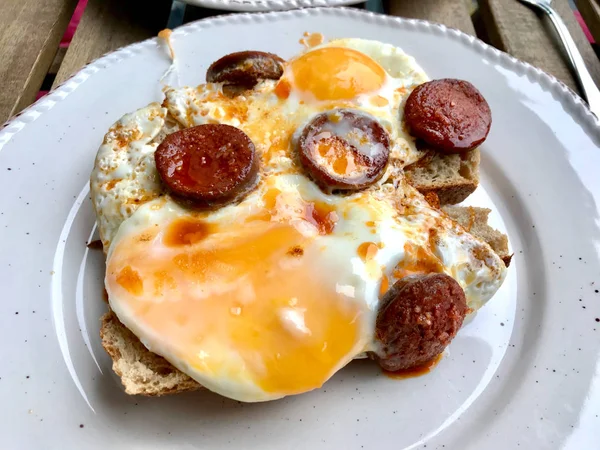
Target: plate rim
[{"x": 563, "y": 93}]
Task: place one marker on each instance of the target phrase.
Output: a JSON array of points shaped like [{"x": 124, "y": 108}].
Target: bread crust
[
  {"x": 452, "y": 177},
  {"x": 141, "y": 371}
]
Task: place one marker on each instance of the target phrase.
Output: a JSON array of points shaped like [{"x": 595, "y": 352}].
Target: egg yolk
[
  {"x": 243, "y": 303},
  {"x": 336, "y": 73}
]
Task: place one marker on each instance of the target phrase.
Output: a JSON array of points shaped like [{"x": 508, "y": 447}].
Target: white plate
[
  {"x": 268, "y": 5},
  {"x": 524, "y": 373}
]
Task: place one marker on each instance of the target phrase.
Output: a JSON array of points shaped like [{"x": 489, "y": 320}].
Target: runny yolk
[
  {"x": 246, "y": 303},
  {"x": 282, "y": 89},
  {"x": 336, "y": 73}
]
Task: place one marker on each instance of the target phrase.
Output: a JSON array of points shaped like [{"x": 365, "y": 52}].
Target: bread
[
  {"x": 452, "y": 177},
  {"x": 474, "y": 220},
  {"x": 145, "y": 373},
  {"x": 141, "y": 371}
]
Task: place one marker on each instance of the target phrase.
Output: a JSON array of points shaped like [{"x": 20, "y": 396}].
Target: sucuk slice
[
  {"x": 344, "y": 149},
  {"x": 245, "y": 69},
  {"x": 208, "y": 164},
  {"x": 450, "y": 115},
  {"x": 417, "y": 319}
]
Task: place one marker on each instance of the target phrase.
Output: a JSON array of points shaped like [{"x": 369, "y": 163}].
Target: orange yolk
[
  {"x": 282, "y": 89},
  {"x": 253, "y": 291},
  {"x": 336, "y": 73},
  {"x": 312, "y": 39}
]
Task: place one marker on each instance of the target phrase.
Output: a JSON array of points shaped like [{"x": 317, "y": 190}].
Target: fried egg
[{"x": 272, "y": 295}]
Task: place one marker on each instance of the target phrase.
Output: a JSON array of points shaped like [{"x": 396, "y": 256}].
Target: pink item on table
[
  {"x": 66, "y": 39},
  {"x": 584, "y": 27}
]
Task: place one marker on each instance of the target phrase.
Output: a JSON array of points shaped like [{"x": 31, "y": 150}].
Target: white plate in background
[{"x": 268, "y": 5}]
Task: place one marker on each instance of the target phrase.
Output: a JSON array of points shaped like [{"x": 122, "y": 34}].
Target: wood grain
[
  {"x": 590, "y": 11},
  {"x": 452, "y": 13},
  {"x": 109, "y": 24},
  {"x": 528, "y": 35},
  {"x": 30, "y": 31}
]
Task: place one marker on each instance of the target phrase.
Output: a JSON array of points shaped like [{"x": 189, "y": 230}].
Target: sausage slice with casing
[
  {"x": 449, "y": 115},
  {"x": 418, "y": 318},
  {"x": 208, "y": 164},
  {"x": 245, "y": 69},
  {"x": 344, "y": 149}
]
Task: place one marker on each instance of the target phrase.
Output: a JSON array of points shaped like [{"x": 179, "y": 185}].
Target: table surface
[{"x": 30, "y": 32}]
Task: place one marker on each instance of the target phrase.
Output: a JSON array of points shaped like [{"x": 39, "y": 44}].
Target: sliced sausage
[
  {"x": 450, "y": 115},
  {"x": 245, "y": 69},
  {"x": 418, "y": 318},
  {"x": 207, "y": 164},
  {"x": 344, "y": 149}
]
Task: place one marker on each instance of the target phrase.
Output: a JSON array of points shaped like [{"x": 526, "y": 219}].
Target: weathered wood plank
[
  {"x": 109, "y": 24},
  {"x": 527, "y": 35},
  {"x": 452, "y": 13},
  {"x": 590, "y": 11},
  {"x": 30, "y": 31}
]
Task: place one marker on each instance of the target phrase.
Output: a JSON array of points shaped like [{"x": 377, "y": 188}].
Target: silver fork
[{"x": 586, "y": 82}]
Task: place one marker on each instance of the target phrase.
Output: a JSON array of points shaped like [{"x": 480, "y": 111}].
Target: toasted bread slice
[
  {"x": 145, "y": 373},
  {"x": 141, "y": 371},
  {"x": 452, "y": 177},
  {"x": 474, "y": 220}
]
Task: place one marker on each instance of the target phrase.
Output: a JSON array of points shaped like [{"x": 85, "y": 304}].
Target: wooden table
[{"x": 30, "y": 31}]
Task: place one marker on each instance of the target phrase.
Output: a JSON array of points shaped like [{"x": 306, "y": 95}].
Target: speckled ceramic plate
[
  {"x": 268, "y": 5},
  {"x": 524, "y": 373}
]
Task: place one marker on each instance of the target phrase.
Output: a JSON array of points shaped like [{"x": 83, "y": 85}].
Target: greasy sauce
[
  {"x": 130, "y": 280},
  {"x": 418, "y": 260},
  {"x": 414, "y": 371},
  {"x": 367, "y": 251},
  {"x": 384, "y": 286},
  {"x": 283, "y": 89},
  {"x": 378, "y": 100},
  {"x": 186, "y": 231},
  {"x": 322, "y": 216},
  {"x": 166, "y": 35},
  {"x": 312, "y": 39}
]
